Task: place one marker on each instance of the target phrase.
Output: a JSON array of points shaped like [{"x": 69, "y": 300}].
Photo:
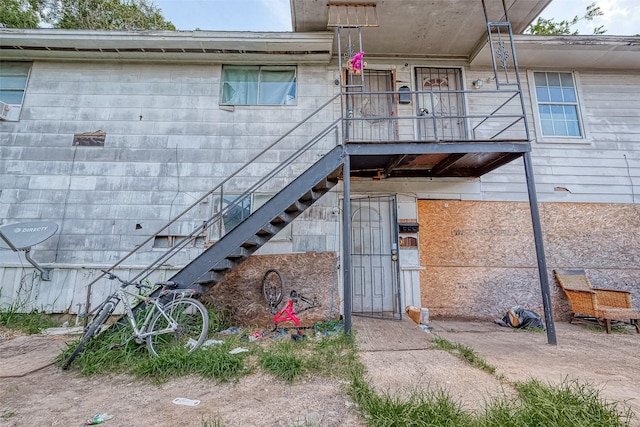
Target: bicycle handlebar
[{"x": 112, "y": 276}]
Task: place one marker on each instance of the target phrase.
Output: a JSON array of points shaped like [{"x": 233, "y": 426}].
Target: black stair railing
[{"x": 301, "y": 156}]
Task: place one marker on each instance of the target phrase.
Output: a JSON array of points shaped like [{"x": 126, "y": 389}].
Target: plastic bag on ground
[{"x": 520, "y": 318}]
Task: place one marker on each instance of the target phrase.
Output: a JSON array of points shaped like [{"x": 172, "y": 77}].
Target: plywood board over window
[
  {"x": 89, "y": 139},
  {"x": 480, "y": 257}
]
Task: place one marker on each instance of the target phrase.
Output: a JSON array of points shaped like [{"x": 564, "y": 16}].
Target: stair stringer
[{"x": 297, "y": 192}]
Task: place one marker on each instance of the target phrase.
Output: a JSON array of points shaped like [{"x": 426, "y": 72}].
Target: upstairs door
[
  {"x": 374, "y": 257},
  {"x": 371, "y": 108},
  {"x": 440, "y": 104}
]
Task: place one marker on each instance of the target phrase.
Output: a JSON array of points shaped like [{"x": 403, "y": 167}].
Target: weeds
[
  {"x": 419, "y": 409},
  {"x": 7, "y": 415},
  {"x": 219, "y": 318},
  {"x": 282, "y": 362},
  {"x": 615, "y": 328},
  {"x": 28, "y": 323},
  {"x": 569, "y": 404},
  {"x": 98, "y": 357},
  {"x": 330, "y": 356},
  {"x": 211, "y": 422},
  {"x": 463, "y": 352}
]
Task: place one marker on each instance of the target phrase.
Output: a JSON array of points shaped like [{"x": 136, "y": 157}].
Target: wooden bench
[{"x": 599, "y": 305}]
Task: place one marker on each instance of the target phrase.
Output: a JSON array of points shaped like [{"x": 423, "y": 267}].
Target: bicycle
[
  {"x": 182, "y": 321},
  {"x": 294, "y": 306},
  {"x": 272, "y": 290},
  {"x": 272, "y": 285}
]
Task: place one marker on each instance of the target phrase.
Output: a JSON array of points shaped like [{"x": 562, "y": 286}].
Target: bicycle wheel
[
  {"x": 192, "y": 322},
  {"x": 93, "y": 328},
  {"x": 272, "y": 285}
]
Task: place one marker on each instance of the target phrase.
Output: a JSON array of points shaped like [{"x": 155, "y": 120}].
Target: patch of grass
[
  {"x": 286, "y": 359},
  {"x": 7, "y": 415},
  {"x": 211, "y": 422},
  {"x": 97, "y": 356},
  {"x": 463, "y": 352},
  {"x": 28, "y": 323},
  {"x": 211, "y": 362},
  {"x": 326, "y": 356},
  {"x": 530, "y": 330},
  {"x": 569, "y": 404},
  {"x": 419, "y": 409},
  {"x": 329, "y": 327},
  {"x": 281, "y": 361},
  {"x": 615, "y": 329},
  {"x": 332, "y": 356},
  {"x": 219, "y": 318}
]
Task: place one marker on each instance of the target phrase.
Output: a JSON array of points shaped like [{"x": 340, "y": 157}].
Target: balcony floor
[{"x": 432, "y": 159}]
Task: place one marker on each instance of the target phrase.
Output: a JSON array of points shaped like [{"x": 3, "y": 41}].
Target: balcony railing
[{"x": 434, "y": 116}]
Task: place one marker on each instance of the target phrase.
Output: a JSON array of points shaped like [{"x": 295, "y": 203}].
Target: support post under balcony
[
  {"x": 542, "y": 263},
  {"x": 346, "y": 241}
]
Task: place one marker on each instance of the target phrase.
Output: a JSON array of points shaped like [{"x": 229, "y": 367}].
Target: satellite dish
[
  {"x": 26, "y": 234},
  {"x": 20, "y": 237}
]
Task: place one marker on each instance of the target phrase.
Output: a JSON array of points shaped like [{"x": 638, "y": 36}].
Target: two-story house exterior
[{"x": 479, "y": 158}]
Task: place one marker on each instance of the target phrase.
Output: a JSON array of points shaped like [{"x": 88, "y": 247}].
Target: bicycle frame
[
  {"x": 140, "y": 333},
  {"x": 289, "y": 312},
  {"x": 159, "y": 315}
]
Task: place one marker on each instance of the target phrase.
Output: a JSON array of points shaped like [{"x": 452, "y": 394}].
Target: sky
[{"x": 621, "y": 17}]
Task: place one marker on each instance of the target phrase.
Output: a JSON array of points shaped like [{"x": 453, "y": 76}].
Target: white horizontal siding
[
  {"x": 66, "y": 292},
  {"x": 604, "y": 169}
]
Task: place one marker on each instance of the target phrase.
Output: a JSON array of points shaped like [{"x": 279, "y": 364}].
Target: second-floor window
[
  {"x": 13, "y": 83},
  {"x": 258, "y": 85},
  {"x": 558, "y": 108}
]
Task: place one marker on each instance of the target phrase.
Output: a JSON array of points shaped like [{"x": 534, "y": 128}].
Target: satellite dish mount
[{"x": 20, "y": 237}]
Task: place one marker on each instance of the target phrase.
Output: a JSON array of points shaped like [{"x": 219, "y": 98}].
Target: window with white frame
[
  {"x": 13, "y": 82},
  {"x": 557, "y": 102},
  {"x": 235, "y": 210},
  {"x": 258, "y": 85}
]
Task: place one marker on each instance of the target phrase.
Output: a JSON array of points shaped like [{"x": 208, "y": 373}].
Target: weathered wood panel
[
  {"x": 310, "y": 274},
  {"x": 480, "y": 257}
]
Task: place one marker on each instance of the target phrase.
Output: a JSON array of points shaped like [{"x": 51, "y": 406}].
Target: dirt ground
[{"x": 397, "y": 354}]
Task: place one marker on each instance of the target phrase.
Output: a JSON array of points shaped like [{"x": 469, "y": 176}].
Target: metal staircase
[
  {"x": 237, "y": 245},
  {"x": 305, "y": 178}
]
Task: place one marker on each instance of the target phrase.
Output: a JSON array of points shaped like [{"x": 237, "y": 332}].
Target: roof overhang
[
  {"x": 586, "y": 52},
  {"x": 189, "y": 46},
  {"x": 447, "y": 29}
]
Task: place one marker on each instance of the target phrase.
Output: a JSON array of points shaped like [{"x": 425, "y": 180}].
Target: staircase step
[
  {"x": 239, "y": 254},
  {"x": 210, "y": 278},
  {"x": 283, "y": 218},
  {"x": 335, "y": 175},
  {"x": 296, "y": 207},
  {"x": 268, "y": 230},
  {"x": 224, "y": 265},
  {"x": 254, "y": 241},
  {"x": 310, "y": 197},
  {"x": 323, "y": 186}
]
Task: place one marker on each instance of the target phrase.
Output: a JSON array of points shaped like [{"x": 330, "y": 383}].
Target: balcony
[{"x": 438, "y": 130}]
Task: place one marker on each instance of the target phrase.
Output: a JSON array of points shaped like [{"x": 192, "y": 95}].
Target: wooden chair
[{"x": 599, "y": 305}]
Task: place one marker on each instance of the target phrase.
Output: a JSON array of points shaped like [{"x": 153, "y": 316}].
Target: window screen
[{"x": 256, "y": 85}]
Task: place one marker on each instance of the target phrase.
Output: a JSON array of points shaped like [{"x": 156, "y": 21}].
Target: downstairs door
[{"x": 374, "y": 257}]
